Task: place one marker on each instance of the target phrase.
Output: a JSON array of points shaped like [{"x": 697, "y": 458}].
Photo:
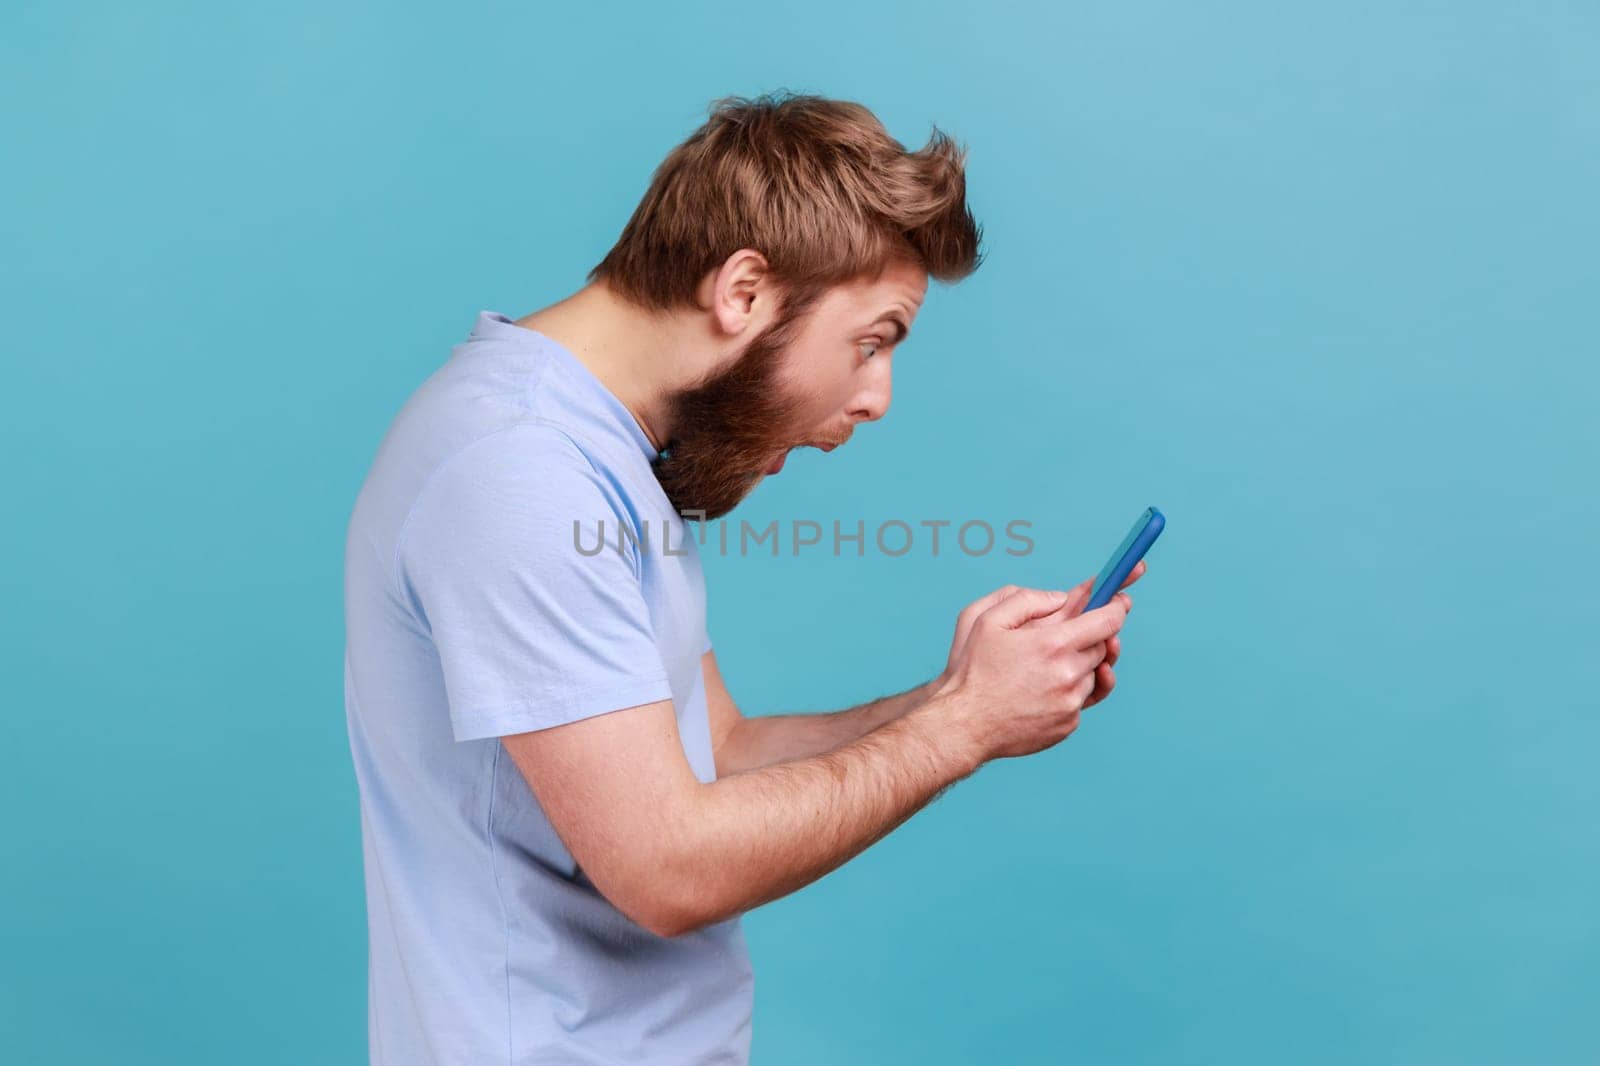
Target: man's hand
[
  {"x": 1077, "y": 596},
  {"x": 1018, "y": 686},
  {"x": 1105, "y": 678}
]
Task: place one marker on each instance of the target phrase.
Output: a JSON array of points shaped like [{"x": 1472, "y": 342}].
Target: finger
[
  {"x": 1105, "y": 679},
  {"x": 1002, "y": 594},
  {"x": 1087, "y": 584},
  {"x": 1098, "y": 625},
  {"x": 1113, "y": 649},
  {"x": 983, "y": 603},
  {"x": 1023, "y": 606},
  {"x": 1079, "y": 594}
]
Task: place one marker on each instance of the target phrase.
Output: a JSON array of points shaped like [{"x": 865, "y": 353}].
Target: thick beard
[{"x": 728, "y": 429}]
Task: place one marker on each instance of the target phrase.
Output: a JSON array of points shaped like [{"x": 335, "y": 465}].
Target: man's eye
[{"x": 868, "y": 348}]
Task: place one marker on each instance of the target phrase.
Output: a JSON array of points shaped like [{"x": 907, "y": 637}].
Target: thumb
[{"x": 1023, "y": 606}]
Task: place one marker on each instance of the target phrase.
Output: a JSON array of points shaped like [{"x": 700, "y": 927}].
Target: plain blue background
[{"x": 1318, "y": 281}]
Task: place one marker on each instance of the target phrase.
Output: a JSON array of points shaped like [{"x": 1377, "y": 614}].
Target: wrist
[{"x": 946, "y": 713}]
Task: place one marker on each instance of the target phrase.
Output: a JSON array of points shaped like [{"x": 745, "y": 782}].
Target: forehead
[{"x": 900, "y": 285}]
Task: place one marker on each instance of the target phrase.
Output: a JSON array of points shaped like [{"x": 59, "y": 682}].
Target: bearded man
[{"x": 564, "y": 813}]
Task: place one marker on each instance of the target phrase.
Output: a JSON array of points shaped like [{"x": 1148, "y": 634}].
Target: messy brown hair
[{"x": 817, "y": 186}]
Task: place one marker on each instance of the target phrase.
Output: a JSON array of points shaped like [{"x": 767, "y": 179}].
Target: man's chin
[
  {"x": 713, "y": 501},
  {"x": 716, "y": 484}
]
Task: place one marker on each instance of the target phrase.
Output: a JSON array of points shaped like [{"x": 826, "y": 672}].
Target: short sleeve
[{"x": 537, "y": 620}]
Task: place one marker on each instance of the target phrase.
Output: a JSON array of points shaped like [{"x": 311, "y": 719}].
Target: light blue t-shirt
[{"x": 473, "y": 610}]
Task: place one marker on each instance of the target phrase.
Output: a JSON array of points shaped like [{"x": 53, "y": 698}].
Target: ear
[{"x": 739, "y": 293}]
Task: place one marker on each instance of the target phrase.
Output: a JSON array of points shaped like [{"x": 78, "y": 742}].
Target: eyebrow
[{"x": 902, "y": 330}]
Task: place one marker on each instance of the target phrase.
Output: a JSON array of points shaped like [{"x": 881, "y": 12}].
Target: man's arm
[
  {"x": 675, "y": 854},
  {"x": 741, "y": 743}
]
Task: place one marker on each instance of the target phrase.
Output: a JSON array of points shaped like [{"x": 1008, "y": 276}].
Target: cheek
[
  {"x": 839, "y": 393},
  {"x": 824, "y": 392}
]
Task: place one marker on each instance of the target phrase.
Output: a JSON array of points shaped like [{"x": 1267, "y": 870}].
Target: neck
[{"x": 642, "y": 357}]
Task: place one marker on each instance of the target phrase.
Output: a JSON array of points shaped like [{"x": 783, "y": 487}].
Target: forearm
[
  {"x": 752, "y": 837},
  {"x": 762, "y": 741}
]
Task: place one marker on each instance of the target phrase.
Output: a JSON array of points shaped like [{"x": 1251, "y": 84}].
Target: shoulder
[
  {"x": 517, "y": 484},
  {"x": 539, "y": 458}
]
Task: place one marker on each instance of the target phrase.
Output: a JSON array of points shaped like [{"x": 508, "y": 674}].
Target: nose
[{"x": 872, "y": 402}]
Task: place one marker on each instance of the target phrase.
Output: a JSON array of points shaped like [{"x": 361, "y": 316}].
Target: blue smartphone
[{"x": 1126, "y": 557}]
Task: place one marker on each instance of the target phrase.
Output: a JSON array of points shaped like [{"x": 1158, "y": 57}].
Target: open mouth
[{"x": 821, "y": 446}]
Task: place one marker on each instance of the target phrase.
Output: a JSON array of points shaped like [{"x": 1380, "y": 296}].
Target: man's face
[{"x": 805, "y": 382}]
